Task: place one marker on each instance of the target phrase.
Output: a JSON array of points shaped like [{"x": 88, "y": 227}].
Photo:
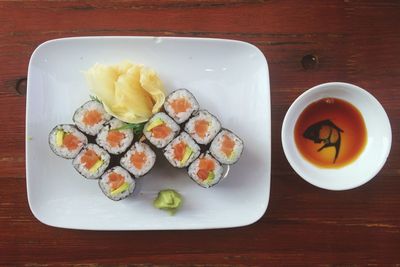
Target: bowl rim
[{"x": 285, "y": 142}]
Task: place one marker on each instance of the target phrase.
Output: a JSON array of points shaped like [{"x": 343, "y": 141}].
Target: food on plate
[
  {"x": 114, "y": 138},
  {"x": 206, "y": 171},
  {"x": 91, "y": 117},
  {"x": 180, "y": 105},
  {"x": 203, "y": 127},
  {"x": 160, "y": 129},
  {"x": 226, "y": 147},
  {"x": 117, "y": 183},
  {"x": 139, "y": 159},
  {"x": 66, "y": 141},
  {"x": 182, "y": 151},
  {"x": 92, "y": 161},
  {"x": 129, "y": 92},
  {"x": 168, "y": 200},
  {"x": 330, "y": 133}
]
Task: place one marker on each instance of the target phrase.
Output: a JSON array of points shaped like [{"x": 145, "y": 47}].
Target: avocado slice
[
  {"x": 96, "y": 166},
  {"x": 59, "y": 137},
  {"x": 210, "y": 177},
  {"x": 154, "y": 124},
  {"x": 120, "y": 189},
  {"x": 186, "y": 156}
]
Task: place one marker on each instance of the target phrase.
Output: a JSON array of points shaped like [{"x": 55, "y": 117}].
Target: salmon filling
[
  {"x": 138, "y": 159},
  {"x": 201, "y": 128},
  {"x": 161, "y": 131},
  {"x": 227, "y": 145},
  {"x": 205, "y": 167},
  {"x": 180, "y": 105},
  {"x": 71, "y": 142},
  {"x": 179, "y": 150},
  {"x": 115, "y": 180},
  {"x": 92, "y": 117},
  {"x": 89, "y": 158},
  {"x": 114, "y": 138}
]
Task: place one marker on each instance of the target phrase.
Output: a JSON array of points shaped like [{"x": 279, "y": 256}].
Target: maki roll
[
  {"x": 180, "y": 105},
  {"x": 203, "y": 127},
  {"x": 139, "y": 159},
  {"x": 117, "y": 183},
  {"x": 226, "y": 147},
  {"x": 206, "y": 171},
  {"x": 182, "y": 151},
  {"x": 91, "y": 117},
  {"x": 92, "y": 161},
  {"x": 66, "y": 141},
  {"x": 113, "y": 138},
  {"x": 160, "y": 129}
]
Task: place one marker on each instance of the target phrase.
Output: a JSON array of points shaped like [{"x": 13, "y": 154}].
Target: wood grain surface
[{"x": 351, "y": 41}]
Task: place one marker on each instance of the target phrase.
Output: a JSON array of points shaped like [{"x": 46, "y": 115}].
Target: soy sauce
[{"x": 330, "y": 133}]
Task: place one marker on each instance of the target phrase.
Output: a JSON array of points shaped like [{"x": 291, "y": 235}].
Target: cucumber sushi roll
[
  {"x": 66, "y": 141},
  {"x": 139, "y": 159},
  {"x": 226, "y": 147},
  {"x": 160, "y": 129},
  {"x": 180, "y": 105},
  {"x": 117, "y": 183},
  {"x": 91, "y": 117},
  {"x": 203, "y": 127},
  {"x": 182, "y": 151},
  {"x": 113, "y": 139},
  {"x": 206, "y": 171},
  {"x": 92, "y": 161}
]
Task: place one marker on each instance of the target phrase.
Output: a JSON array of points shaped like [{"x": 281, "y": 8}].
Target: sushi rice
[
  {"x": 117, "y": 183},
  {"x": 91, "y": 117},
  {"x": 112, "y": 140},
  {"x": 226, "y": 147},
  {"x": 66, "y": 141},
  {"x": 160, "y": 129},
  {"x": 139, "y": 159},
  {"x": 180, "y": 105},
  {"x": 182, "y": 151},
  {"x": 203, "y": 127},
  {"x": 92, "y": 161}
]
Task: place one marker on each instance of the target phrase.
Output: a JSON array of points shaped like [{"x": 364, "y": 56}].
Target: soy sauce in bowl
[{"x": 330, "y": 133}]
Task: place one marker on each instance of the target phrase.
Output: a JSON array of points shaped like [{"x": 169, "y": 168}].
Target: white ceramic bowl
[{"x": 371, "y": 159}]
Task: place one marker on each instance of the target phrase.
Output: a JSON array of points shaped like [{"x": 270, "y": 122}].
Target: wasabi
[{"x": 168, "y": 200}]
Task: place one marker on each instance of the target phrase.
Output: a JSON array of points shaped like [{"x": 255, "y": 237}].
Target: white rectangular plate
[{"x": 228, "y": 78}]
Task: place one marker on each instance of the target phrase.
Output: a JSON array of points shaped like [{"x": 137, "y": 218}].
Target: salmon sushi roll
[
  {"x": 182, "y": 151},
  {"x": 117, "y": 183},
  {"x": 206, "y": 171},
  {"x": 66, "y": 141},
  {"x": 160, "y": 129},
  {"x": 114, "y": 139},
  {"x": 203, "y": 127},
  {"x": 226, "y": 147},
  {"x": 91, "y": 117},
  {"x": 180, "y": 105},
  {"x": 139, "y": 159},
  {"x": 92, "y": 161}
]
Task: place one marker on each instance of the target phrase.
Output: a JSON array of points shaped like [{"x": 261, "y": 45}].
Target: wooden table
[{"x": 306, "y": 43}]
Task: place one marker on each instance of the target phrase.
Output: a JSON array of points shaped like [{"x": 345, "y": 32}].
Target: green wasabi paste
[{"x": 168, "y": 200}]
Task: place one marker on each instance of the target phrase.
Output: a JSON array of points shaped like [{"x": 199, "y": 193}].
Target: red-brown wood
[{"x": 354, "y": 41}]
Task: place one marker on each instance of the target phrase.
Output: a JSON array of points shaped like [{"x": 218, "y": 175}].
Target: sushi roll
[
  {"x": 203, "y": 127},
  {"x": 117, "y": 183},
  {"x": 160, "y": 129},
  {"x": 182, "y": 151},
  {"x": 91, "y": 117},
  {"x": 66, "y": 141},
  {"x": 206, "y": 171},
  {"x": 92, "y": 161},
  {"x": 113, "y": 139},
  {"x": 226, "y": 147},
  {"x": 180, "y": 105},
  {"x": 139, "y": 159}
]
